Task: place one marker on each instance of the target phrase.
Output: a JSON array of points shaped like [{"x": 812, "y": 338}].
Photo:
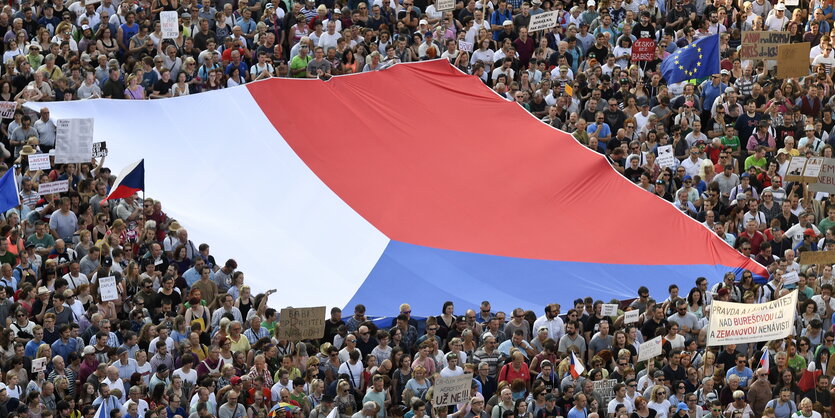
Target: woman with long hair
[{"x": 659, "y": 402}]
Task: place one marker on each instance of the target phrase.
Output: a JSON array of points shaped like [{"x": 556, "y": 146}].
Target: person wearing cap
[{"x": 810, "y": 142}]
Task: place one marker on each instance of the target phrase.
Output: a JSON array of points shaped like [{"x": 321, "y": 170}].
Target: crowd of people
[{"x": 187, "y": 337}]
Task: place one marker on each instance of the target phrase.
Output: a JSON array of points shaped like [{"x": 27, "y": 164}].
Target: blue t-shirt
[
  {"x": 744, "y": 376},
  {"x": 574, "y": 413}
]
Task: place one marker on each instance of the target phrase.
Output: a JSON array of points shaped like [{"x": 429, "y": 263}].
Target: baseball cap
[
  {"x": 725, "y": 72},
  {"x": 809, "y": 232},
  {"x": 507, "y": 23},
  {"x": 88, "y": 350},
  {"x": 591, "y": 3},
  {"x": 235, "y": 380},
  {"x": 682, "y": 407},
  {"x": 729, "y": 89},
  {"x": 780, "y": 6}
]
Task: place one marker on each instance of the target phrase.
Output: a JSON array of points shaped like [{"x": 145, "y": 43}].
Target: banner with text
[
  {"x": 738, "y": 323},
  {"x": 643, "y": 50},
  {"x": 826, "y": 177},
  {"x": 542, "y": 21},
  {"x": 762, "y": 44},
  {"x": 452, "y": 390},
  {"x": 54, "y": 187},
  {"x": 74, "y": 141},
  {"x": 297, "y": 324}
]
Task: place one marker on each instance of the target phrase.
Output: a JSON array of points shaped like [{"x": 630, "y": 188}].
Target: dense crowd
[{"x": 187, "y": 337}]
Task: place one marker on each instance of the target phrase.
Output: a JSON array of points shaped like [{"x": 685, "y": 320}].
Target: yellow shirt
[{"x": 242, "y": 345}]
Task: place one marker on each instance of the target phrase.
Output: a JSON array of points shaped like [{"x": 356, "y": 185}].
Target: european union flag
[
  {"x": 9, "y": 197},
  {"x": 697, "y": 60}
]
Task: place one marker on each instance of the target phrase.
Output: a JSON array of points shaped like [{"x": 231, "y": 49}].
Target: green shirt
[
  {"x": 298, "y": 66},
  {"x": 732, "y": 142},
  {"x": 825, "y": 224},
  {"x": 45, "y": 242},
  {"x": 753, "y": 161}
]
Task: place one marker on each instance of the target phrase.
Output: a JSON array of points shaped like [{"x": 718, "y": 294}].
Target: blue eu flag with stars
[{"x": 697, "y": 60}]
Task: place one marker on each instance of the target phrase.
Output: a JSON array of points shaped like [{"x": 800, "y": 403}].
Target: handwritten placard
[
  {"x": 762, "y": 44},
  {"x": 650, "y": 349},
  {"x": 53, "y": 187},
  {"x": 99, "y": 149},
  {"x": 542, "y": 21},
  {"x": 465, "y": 46},
  {"x": 107, "y": 288},
  {"x": 443, "y": 5},
  {"x": 39, "y": 162},
  {"x": 630, "y": 317},
  {"x": 816, "y": 257},
  {"x": 39, "y": 365},
  {"x": 452, "y": 390},
  {"x": 297, "y": 324},
  {"x": 74, "y": 141},
  {"x": 609, "y": 309},
  {"x": 666, "y": 158},
  {"x": 643, "y": 50},
  {"x": 169, "y": 24},
  {"x": 790, "y": 277},
  {"x": 7, "y": 109}
]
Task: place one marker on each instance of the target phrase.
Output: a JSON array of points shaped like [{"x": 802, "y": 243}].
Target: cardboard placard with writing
[
  {"x": 39, "y": 162},
  {"x": 650, "y": 349},
  {"x": 605, "y": 389},
  {"x": 99, "y": 149},
  {"x": 443, "y": 5},
  {"x": 296, "y": 324},
  {"x": 169, "y": 24},
  {"x": 793, "y": 60},
  {"x": 763, "y": 44},
  {"x": 452, "y": 390},
  {"x": 740, "y": 323},
  {"x": 826, "y": 178},
  {"x": 643, "y": 50},
  {"x": 666, "y": 158},
  {"x": 609, "y": 309},
  {"x": 790, "y": 277},
  {"x": 816, "y": 257},
  {"x": 631, "y": 316},
  {"x": 543, "y": 21},
  {"x": 795, "y": 170},
  {"x": 107, "y": 288},
  {"x": 465, "y": 46},
  {"x": 54, "y": 187},
  {"x": 74, "y": 140},
  {"x": 39, "y": 365},
  {"x": 7, "y": 110}
]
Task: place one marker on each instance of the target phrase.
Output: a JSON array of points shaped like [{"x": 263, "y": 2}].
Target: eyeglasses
[
  {"x": 406, "y": 312},
  {"x": 634, "y": 385}
]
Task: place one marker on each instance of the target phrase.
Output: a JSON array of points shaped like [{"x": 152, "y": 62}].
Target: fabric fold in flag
[
  {"x": 697, "y": 60},
  {"x": 9, "y": 196},
  {"x": 764, "y": 363},
  {"x": 130, "y": 181}
]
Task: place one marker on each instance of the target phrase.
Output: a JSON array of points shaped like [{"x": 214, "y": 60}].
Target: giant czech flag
[{"x": 412, "y": 184}]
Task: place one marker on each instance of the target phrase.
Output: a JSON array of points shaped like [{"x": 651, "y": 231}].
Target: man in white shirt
[
  {"x": 777, "y": 20},
  {"x": 552, "y": 321},
  {"x": 330, "y": 37}
]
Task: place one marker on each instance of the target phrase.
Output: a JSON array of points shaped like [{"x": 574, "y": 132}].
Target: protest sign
[
  {"x": 793, "y": 60},
  {"x": 74, "y": 141},
  {"x": 169, "y": 24},
  {"x": 666, "y": 158},
  {"x": 39, "y": 162},
  {"x": 39, "y": 365},
  {"x": 542, "y": 21},
  {"x": 739, "y": 323},
  {"x": 816, "y": 257},
  {"x": 790, "y": 277},
  {"x": 609, "y": 309},
  {"x": 631, "y": 316},
  {"x": 762, "y": 44},
  {"x": 297, "y": 324},
  {"x": 99, "y": 149},
  {"x": 813, "y": 168},
  {"x": 643, "y": 50},
  {"x": 795, "y": 170},
  {"x": 443, "y": 5},
  {"x": 54, "y": 187},
  {"x": 465, "y": 46},
  {"x": 452, "y": 390},
  {"x": 7, "y": 110},
  {"x": 826, "y": 177},
  {"x": 605, "y": 389},
  {"x": 650, "y": 349},
  {"x": 107, "y": 288}
]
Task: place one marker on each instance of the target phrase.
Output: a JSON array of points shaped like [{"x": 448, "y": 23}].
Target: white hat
[
  {"x": 507, "y": 23},
  {"x": 591, "y": 3},
  {"x": 88, "y": 350},
  {"x": 780, "y": 6},
  {"x": 478, "y": 5},
  {"x": 424, "y": 22}
]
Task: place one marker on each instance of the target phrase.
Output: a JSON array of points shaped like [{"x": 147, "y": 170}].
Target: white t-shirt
[{"x": 190, "y": 377}]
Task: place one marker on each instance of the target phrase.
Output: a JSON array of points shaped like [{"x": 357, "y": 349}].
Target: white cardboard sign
[
  {"x": 7, "y": 109},
  {"x": 39, "y": 162},
  {"x": 739, "y": 323},
  {"x": 542, "y": 21},
  {"x": 54, "y": 187},
  {"x": 107, "y": 288},
  {"x": 170, "y": 24},
  {"x": 609, "y": 309},
  {"x": 631, "y": 316},
  {"x": 650, "y": 349},
  {"x": 74, "y": 141}
]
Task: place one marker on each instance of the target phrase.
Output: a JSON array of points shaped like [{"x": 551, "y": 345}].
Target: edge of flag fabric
[
  {"x": 697, "y": 60},
  {"x": 575, "y": 367},
  {"x": 130, "y": 181},
  {"x": 764, "y": 361},
  {"x": 9, "y": 195}
]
